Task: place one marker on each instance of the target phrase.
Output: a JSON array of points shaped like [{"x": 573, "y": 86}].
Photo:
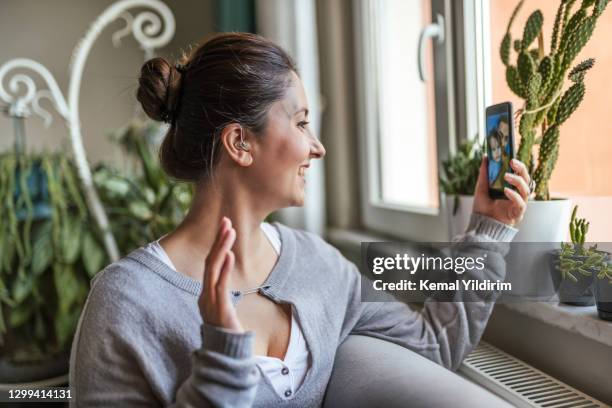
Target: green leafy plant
[
  {"x": 50, "y": 249},
  {"x": 143, "y": 204},
  {"x": 538, "y": 78},
  {"x": 50, "y": 246},
  {"x": 605, "y": 273},
  {"x": 460, "y": 171},
  {"x": 577, "y": 258}
]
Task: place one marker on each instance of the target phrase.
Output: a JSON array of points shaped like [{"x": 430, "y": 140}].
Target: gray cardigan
[{"x": 141, "y": 340}]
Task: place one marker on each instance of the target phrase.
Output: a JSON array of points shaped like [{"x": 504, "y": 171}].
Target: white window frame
[
  {"x": 412, "y": 223},
  {"x": 476, "y": 94}
]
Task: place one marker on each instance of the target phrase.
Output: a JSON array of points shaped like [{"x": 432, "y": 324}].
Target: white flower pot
[
  {"x": 545, "y": 222},
  {"x": 545, "y": 225}
]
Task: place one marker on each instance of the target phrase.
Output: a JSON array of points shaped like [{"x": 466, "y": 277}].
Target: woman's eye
[{"x": 303, "y": 124}]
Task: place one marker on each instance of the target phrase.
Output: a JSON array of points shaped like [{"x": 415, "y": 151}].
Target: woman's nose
[{"x": 317, "y": 149}]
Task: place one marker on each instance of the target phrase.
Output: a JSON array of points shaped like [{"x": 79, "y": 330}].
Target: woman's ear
[{"x": 235, "y": 140}]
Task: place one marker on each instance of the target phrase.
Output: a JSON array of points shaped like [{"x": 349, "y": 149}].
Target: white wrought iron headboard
[{"x": 146, "y": 27}]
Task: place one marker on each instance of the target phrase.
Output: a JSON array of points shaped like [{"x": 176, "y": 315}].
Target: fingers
[
  {"x": 517, "y": 209},
  {"x": 216, "y": 263},
  {"x": 518, "y": 182},
  {"x": 228, "y": 266},
  {"x": 520, "y": 169},
  {"x": 223, "y": 228},
  {"x": 216, "y": 257},
  {"x": 215, "y": 300}
]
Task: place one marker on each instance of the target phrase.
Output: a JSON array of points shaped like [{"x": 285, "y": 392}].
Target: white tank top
[{"x": 285, "y": 375}]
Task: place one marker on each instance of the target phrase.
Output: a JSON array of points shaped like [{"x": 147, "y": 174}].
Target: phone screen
[{"x": 500, "y": 146}]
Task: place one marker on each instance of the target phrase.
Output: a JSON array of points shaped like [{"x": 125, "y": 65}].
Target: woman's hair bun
[
  {"x": 230, "y": 78},
  {"x": 159, "y": 89}
]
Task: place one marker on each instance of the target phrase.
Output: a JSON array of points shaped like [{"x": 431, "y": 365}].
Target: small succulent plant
[
  {"x": 460, "y": 171},
  {"x": 577, "y": 258},
  {"x": 578, "y": 228},
  {"x": 538, "y": 78}
]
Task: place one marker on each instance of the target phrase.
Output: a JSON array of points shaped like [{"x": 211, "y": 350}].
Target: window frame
[
  {"x": 474, "y": 90},
  {"x": 414, "y": 223}
]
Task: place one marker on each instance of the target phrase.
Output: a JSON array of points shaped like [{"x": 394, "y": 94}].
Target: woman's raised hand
[
  {"x": 215, "y": 300},
  {"x": 508, "y": 211}
]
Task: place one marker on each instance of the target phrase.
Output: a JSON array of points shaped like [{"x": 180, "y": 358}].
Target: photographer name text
[{"x": 424, "y": 285}]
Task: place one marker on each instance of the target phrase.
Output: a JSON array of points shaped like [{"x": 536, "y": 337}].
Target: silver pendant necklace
[{"x": 237, "y": 295}]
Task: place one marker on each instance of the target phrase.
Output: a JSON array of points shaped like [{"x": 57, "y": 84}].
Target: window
[{"x": 406, "y": 122}]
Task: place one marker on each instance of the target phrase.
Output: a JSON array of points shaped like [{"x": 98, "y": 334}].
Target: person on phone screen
[
  {"x": 495, "y": 155},
  {"x": 503, "y": 136},
  {"x": 227, "y": 309},
  {"x": 503, "y": 130}
]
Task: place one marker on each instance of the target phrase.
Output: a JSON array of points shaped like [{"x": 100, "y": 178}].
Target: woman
[
  {"x": 227, "y": 310},
  {"x": 503, "y": 129}
]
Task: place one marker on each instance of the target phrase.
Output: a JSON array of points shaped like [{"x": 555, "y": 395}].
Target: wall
[
  {"x": 47, "y": 32},
  {"x": 338, "y": 122}
]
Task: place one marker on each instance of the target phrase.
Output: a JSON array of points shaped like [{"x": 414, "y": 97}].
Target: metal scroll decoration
[{"x": 147, "y": 29}]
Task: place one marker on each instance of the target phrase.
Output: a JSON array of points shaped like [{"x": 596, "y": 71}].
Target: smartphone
[{"x": 500, "y": 146}]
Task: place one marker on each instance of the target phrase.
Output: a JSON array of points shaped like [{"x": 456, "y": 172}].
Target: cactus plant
[
  {"x": 576, "y": 257},
  {"x": 539, "y": 78},
  {"x": 578, "y": 228}
]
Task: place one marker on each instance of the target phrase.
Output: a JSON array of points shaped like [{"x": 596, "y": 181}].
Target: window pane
[
  {"x": 584, "y": 164},
  {"x": 407, "y": 162}
]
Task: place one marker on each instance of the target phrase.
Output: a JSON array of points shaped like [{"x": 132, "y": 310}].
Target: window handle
[{"x": 433, "y": 30}]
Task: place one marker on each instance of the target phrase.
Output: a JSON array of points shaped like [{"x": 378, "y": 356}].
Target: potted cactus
[
  {"x": 460, "y": 173},
  {"x": 575, "y": 265},
  {"x": 539, "y": 77}
]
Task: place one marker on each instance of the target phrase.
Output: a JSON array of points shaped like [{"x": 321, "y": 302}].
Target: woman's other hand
[
  {"x": 215, "y": 300},
  {"x": 508, "y": 211}
]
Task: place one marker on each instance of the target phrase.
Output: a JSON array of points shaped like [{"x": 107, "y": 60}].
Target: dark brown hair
[{"x": 232, "y": 78}]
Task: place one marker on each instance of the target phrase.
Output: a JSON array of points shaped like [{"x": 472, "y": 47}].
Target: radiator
[{"x": 519, "y": 383}]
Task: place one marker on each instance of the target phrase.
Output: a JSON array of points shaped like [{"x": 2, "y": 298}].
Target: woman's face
[
  {"x": 493, "y": 143},
  {"x": 283, "y": 150},
  {"x": 504, "y": 129},
  {"x": 494, "y": 146}
]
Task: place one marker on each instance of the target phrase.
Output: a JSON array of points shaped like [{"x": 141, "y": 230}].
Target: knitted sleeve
[{"x": 442, "y": 331}]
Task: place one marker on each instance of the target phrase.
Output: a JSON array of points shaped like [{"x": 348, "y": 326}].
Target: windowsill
[
  {"x": 352, "y": 238},
  {"x": 582, "y": 320},
  {"x": 574, "y": 319}
]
